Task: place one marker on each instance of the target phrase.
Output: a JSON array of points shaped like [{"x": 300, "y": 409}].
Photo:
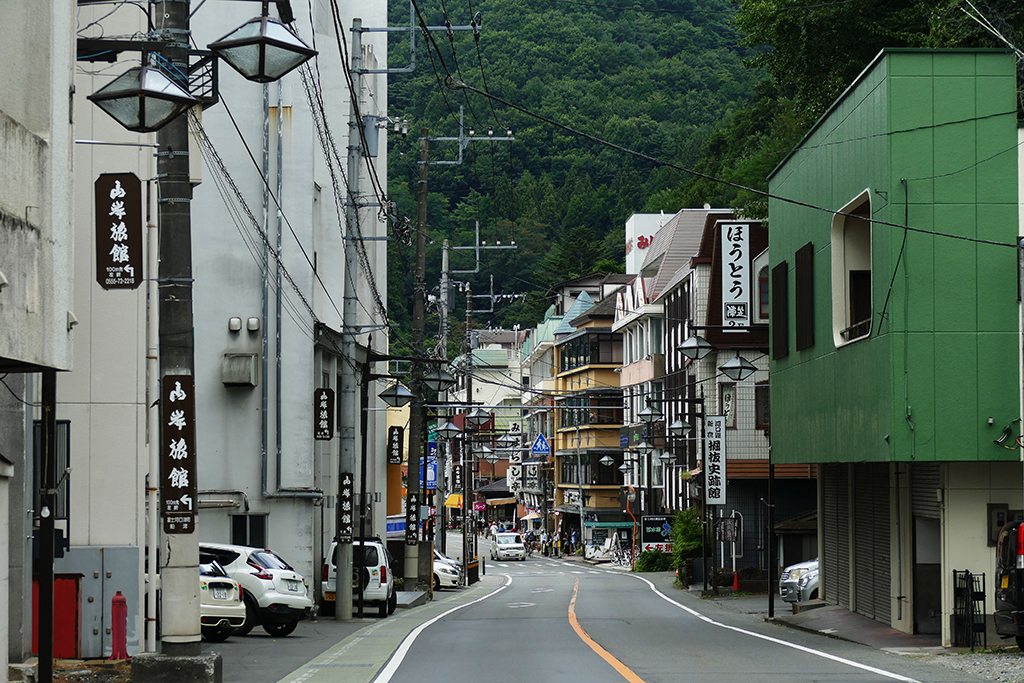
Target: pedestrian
[
  {"x": 544, "y": 541},
  {"x": 494, "y": 530},
  {"x": 574, "y": 542}
]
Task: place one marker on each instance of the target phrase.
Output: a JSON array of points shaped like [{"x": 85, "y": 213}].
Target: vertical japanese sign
[
  {"x": 412, "y": 517},
  {"x": 345, "y": 502},
  {"x": 714, "y": 460},
  {"x": 396, "y": 435},
  {"x": 178, "y": 454},
  {"x": 119, "y": 253},
  {"x": 323, "y": 414},
  {"x": 735, "y": 275},
  {"x": 456, "y": 477}
]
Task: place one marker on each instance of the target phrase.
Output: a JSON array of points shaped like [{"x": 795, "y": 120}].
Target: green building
[{"x": 895, "y": 350}]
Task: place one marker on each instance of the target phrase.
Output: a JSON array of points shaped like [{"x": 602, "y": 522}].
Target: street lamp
[
  {"x": 143, "y": 99},
  {"x": 396, "y": 396},
  {"x": 262, "y": 49},
  {"x": 695, "y": 348},
  {"x": 737, "y": 368}
]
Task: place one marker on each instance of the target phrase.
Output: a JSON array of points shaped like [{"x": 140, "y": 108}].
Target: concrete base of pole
[{"x": 164, "y": 668}]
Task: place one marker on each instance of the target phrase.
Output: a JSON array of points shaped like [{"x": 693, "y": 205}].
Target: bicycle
[{"x": 622, "y": 557}]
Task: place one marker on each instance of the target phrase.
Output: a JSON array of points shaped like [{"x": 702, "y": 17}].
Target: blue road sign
[{"x": 540, "y": 446}]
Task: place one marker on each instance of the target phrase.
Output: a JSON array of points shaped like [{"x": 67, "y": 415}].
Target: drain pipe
[
  {"x": 226, "y": 503},
  {"x": 279, "y": 491}
]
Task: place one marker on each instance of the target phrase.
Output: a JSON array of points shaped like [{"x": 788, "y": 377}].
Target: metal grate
[{"x": 969, "y": 610}]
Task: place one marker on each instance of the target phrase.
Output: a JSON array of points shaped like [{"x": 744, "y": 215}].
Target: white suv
[
  {"x": 374, "y": 573},
  {"x": 275, "y": 595}
]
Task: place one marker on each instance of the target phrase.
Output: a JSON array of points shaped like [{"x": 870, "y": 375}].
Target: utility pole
[
  {"x": 412, "y": 489},
  {"x": 180, "y": 572},
  {"x": 347, "y": 391},
  {"x": 467, "y": 475}
]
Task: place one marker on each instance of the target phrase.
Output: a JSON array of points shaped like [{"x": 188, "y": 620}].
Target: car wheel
[
  {"x": 382, "y": 609},
  {"x": 250, "y": 617},
  {"x": 437, "y": 583},
  {"x": 1020, "y": 642},
  {"x": 327, "y": 608},
  {"x": 281, "y": 628},
  {"x": 216, "y": 634},
  {"x": 392, "y": 603}
]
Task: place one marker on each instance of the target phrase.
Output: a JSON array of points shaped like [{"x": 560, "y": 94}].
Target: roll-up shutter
[
  {"x": 835, "y": 534},
  {"x": 870, "y": 517},
  {"x": 924, "y": 483}
]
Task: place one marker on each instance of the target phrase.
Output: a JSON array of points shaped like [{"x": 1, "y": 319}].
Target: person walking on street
[
  {"x": 494, "y": 530},
  {"x": 573, "y": 544}
]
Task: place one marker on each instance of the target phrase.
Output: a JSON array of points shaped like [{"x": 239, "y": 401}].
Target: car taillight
[
  {"x": 383, "y": 575},
  {"x": 264, "y": 574},
  {"x": 1020, "y": 546},
  {"x": 323, "y": 576}
]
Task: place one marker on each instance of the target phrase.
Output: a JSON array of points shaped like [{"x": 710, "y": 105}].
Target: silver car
[
  {"x": 799, "y": 582},
  {"x": 508, "y": 546}
]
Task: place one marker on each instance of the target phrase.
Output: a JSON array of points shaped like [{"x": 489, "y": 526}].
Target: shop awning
[
  {"x": 531, "y": 515},
  {"x": 501, "y": 501},
  {"x": 454, "y": 501}
]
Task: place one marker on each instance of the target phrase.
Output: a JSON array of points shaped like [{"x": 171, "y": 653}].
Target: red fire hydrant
[{"x": 119, "y": 626}]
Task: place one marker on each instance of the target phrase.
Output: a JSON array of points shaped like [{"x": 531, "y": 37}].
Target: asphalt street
[{"x": 556, "y": 620}]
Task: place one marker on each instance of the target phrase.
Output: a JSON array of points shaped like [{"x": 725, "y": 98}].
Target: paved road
[{"x": 547, "y": 620}]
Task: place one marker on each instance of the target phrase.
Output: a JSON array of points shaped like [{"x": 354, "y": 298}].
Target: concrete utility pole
[
  {"x": 348, "y": 393},
  {"x": 413, "y": 564},
  {"x": 179, "y": 575}
]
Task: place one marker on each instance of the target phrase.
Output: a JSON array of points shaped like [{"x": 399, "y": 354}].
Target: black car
[{"x": 1009, "y": 614}]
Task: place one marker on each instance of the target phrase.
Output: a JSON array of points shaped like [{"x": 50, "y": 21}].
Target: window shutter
[
  {"x": 780, "y": 311},
  {"x": 805, "y": 297}
]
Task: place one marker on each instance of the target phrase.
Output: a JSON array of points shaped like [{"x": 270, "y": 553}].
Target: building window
[
  {"x": 762, "y": 294},
  {"x": 656, "y": 336},
  {"x": 762, "y": 406},
  {"x": 250, "y": 530},
  {"x": 851, "y": 271}
]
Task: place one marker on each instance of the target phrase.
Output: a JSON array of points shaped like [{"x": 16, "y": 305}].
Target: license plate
[
  {"x": 220, "y": 593},
  {"x": 292, "y": 585},
  {"x": 1006, "y": 581},
  {"x": 329, "y": 595}
]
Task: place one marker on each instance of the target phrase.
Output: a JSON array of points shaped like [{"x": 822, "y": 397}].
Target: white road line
[
  {"x": 777, "y": 641},
  {"x": 399, "y": 656}
]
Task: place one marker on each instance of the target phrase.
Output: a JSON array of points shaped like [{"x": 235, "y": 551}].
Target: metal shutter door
[
  {"x": 924, "y": 482},
  {"x": 835, "y": 534},
  {"x": 871, "y": 541}
]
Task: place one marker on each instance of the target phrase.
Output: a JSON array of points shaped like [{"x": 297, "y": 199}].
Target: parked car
[
  {"x": 799, "y": 582},
  {"x": 508, "y": 546},
  {"x": 275, "y": 595},
  {"x": 1009, "y": 584},
  {"x": 447, "y": 572},
  {"x": 221, "y": 609},
  {"x": 374, "y": 573}
]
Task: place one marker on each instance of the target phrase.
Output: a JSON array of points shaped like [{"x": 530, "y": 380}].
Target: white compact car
[
  {"x": 447, "y": 572},
  {"x": 221, "y": 609},
  {"x": 375, "y": 575},
  {"x": 508, "y": 546},
  {"x": 274, "y": 594},
  {"x": 799, "y": 582}
]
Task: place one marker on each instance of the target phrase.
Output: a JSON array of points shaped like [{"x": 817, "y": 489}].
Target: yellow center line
[{"x": 623, "y": 670}]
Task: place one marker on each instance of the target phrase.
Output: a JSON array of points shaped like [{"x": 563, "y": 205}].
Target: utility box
[
  {"x": 67, "y": 629},
  {"x": 240, "y": 370}
]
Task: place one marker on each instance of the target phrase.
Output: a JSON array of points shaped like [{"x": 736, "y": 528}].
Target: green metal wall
[{"x": 947, "y": 348}]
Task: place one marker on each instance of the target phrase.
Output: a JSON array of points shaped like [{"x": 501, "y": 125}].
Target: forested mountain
[
  {"x": 726, "y": 88},
  {"x": 656, "y": 78}
]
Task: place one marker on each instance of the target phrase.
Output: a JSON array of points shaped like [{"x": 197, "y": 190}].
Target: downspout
[{"x": 279, "y": 492}]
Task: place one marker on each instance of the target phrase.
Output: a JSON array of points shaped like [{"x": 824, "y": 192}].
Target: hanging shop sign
[{"x": 119, "y": 251}]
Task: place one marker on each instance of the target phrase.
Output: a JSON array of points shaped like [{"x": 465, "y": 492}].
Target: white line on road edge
[
  {"x": 399, "y": 656},
  {"x": 778, "y": 641}
]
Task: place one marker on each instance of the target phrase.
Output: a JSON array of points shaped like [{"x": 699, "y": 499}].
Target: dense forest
[{"x": 610, "y": 104}]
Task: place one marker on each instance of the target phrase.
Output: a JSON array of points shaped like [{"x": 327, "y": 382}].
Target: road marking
[
  {"x": 520, "y": 605},
  {"x": 542, "y": 590},
  {"x": 398, "y": 657},
  {"x": 623, "y": 670},
  {"x": 777, "y": 641}
]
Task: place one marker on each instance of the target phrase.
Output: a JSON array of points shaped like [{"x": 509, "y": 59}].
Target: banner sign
[
  {"x": 119, "y": 251},
  {"x": 656, "y": 533},
  {"x": 412, "y": 517},
  {"x": 714, "y": 460},
  {"x": 178, "y": 489},
  {"x": 323, "y": 414},
  {"x": 735, "y": 275},
  {"x": 346, "y": 500},
  {"x": 396, "y": 437}
]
